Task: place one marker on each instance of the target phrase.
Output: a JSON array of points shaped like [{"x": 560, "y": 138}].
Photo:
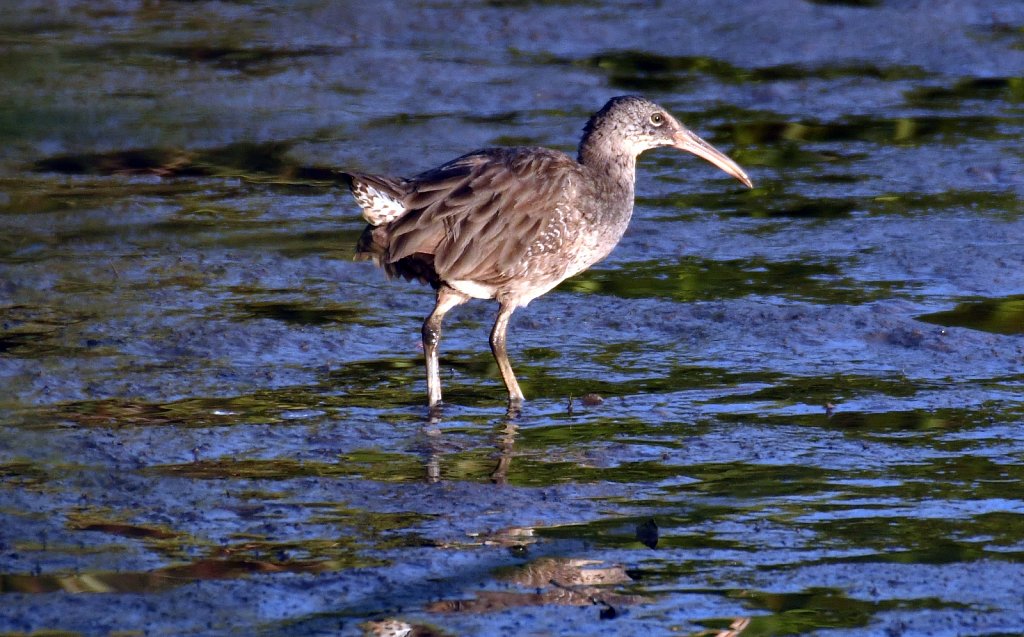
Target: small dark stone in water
[
  {"x": 647, "y": 533},
  {"x": 608, "y": 611},
  {"x": 904, "y": 337}
]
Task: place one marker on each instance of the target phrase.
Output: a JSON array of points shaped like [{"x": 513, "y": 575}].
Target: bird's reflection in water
[
  {"x": 434, "y": 446},
  {"x": 506, "y": 442}
]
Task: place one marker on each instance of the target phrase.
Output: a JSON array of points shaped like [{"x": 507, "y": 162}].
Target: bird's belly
[
  {"x": 473, "y": 289},
  {"x": 544, "y": 274}
]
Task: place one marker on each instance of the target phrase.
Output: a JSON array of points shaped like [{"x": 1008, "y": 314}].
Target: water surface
[{"x": 213, "y": 419}]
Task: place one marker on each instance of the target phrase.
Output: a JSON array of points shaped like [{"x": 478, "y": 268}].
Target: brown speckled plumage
[{"x": 512, "y": 223}]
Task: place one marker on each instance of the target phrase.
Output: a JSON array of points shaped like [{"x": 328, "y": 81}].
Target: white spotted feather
[{"x": 379, "y": 207}]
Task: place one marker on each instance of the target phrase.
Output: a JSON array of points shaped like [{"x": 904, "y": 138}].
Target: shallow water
[{"x": 213, "y": 419}]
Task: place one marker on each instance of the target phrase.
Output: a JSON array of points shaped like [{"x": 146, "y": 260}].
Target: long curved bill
[{"x": 691, "y": 143}]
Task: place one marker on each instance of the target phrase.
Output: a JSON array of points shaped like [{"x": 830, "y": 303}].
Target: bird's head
[{"x": 633, "y": 124}]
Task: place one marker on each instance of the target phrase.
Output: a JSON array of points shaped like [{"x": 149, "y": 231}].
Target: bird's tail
[
  {"x": 382, "y": 201},
  {"x": 381, "y": 198},
  {"x": 374, "y": 245}
]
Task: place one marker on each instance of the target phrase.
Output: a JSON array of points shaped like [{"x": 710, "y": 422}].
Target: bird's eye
[{"x": 657, "y": 119}]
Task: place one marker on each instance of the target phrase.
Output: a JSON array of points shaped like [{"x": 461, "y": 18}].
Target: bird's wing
[{"x": 479, "y": 214}]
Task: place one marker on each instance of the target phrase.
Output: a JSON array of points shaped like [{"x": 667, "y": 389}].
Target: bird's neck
[{"x": 613, "y": 165}]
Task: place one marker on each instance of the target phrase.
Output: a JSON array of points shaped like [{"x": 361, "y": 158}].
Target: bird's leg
[
  {"x": 446, "y": 300},
  {"x": 515, "y": 395}
]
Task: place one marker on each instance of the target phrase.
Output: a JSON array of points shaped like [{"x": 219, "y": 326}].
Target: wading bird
[{"x": 512, "y": 223}]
